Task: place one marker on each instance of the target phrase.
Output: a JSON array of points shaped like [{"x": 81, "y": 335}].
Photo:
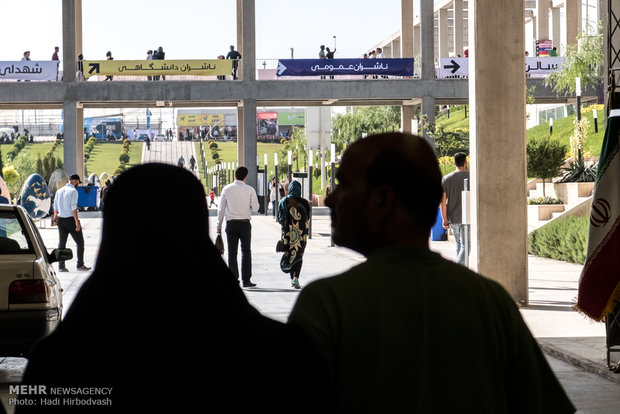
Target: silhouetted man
[
  {"x": 407, "y": 330},
  {"x": 235, "y": 56}
]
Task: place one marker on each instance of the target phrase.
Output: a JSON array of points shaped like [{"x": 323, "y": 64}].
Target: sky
[{"x": 198, "y": 29}]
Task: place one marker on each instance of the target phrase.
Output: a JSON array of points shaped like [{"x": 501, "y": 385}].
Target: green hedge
[{"x": 563, "y": 239}]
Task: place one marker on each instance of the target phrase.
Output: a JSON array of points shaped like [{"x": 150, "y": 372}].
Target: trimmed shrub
[{"x": 563, "y": 239}]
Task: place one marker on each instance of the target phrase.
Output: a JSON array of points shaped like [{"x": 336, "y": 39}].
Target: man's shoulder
[{"x": 455, "y": 175}]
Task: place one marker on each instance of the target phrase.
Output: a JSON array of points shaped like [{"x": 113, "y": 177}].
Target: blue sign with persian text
[{"x": 324, "y": 67}]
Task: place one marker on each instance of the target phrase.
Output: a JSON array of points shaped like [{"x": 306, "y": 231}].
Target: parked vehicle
[
  {"x": 30, "y": 292},
  {"x": 160, "y": 137}
]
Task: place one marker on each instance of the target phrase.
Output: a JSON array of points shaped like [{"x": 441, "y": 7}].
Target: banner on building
[
  {"x": 45, "y": 70},
  {"x": 459, "y": 67},
  {"x": 324, "y": 67},
  {"x": 267, "y": 126},
  {"x": 103, "y": 128},
  {"x": 214, "y": 67},
  {"x": 198, "y": 120},
  {"x": 543, "y": 47}
]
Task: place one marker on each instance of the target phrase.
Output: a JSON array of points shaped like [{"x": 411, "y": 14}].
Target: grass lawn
[
  {"x": 104, "y": 157},
  {"x": 562, "y": 128}
]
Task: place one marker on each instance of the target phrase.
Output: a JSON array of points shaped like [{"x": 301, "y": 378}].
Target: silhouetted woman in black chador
[{"x": 162, "y": 321}]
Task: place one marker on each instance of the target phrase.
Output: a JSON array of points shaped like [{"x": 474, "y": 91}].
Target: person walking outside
[
  {"x": 294, "y": 217},
  {"x": 192, "y": 163},
  {"x": 451, "y": 206},
  {"x": 109, "y": 57},
  {"x": 237, "y": 203},
  {"x": 273, "y": 188},
  {"x": 235, "y": 56},
  {"x": 322, "y": 56},
  {"x": 66, "y": 213},
  {"x": 212, "y": 198},
  {"x": 181, "y": 162},
  {"x": 147, "y": 141}
]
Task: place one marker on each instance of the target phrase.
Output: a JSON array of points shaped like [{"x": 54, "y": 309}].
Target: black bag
[
  {"x": 280, "y": 246},
  {"x": 219, "y": 244}
]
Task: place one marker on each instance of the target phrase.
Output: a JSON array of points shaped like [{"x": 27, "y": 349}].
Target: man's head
[
  {"x": 27, "y": 53},
  {"x": 388, "y": 192},
  {"x": 57, "y": 49},
  {"x": 232, "y": 47},
  {"x": 460, "y": 159},
  {"x": 75, "y": 180},
  {"x": 241, "y": 173},
  {"x": 322, "y": 47}
]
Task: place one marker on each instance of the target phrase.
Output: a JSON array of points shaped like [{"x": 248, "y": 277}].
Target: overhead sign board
[
  {"x": 323, "y": 67},
  {"x": 459, "y": 67},
  {"x": 214, "y": 67},
  {"x": 46, "y": 70}
]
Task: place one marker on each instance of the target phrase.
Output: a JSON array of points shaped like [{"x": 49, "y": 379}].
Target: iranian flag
[{"x": 599, "y": 284}]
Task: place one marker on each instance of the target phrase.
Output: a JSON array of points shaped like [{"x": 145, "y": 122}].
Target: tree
[
  {"x": 584, "y": 60},
  {"x": 366, "y": 119},
  {"x": 545, "y": 157}
]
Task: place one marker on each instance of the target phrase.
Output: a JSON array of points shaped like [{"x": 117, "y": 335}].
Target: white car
[
  {"x": 159, "y": 137},
  {"x": 30, "y": 292}
]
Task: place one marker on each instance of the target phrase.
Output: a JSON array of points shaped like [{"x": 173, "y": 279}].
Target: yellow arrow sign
[{"x": 214, "y": 67}]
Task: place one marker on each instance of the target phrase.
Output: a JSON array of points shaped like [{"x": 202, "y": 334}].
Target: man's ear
[{"x": 382, "y": 200}]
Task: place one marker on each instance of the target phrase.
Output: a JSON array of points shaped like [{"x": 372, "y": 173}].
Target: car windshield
[{"x": 13, "y": 235}]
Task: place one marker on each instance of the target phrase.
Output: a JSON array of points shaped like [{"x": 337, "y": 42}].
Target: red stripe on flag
[{"x": 601, "y": 277}]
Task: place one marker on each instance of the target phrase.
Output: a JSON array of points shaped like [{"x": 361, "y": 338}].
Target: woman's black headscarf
[{"x": 161, "y": 319}]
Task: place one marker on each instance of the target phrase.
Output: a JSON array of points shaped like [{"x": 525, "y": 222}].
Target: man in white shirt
[
  {"x": 237, "y": 203},
  {"x": 66, "y": 213}
]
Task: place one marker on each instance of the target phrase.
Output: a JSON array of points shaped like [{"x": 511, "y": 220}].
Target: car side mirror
[{"x": 59, "y": 255}]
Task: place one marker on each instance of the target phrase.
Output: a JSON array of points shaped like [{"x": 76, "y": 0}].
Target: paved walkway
[
  {"x": 574, "y": 345},
  {"x": 169, "y": 152}
]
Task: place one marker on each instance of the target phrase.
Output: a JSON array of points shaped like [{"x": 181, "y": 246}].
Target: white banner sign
[
  {"x": 46, "y": 70},
  {"x": 453, "y": 68},
  {"x": 542, "y": 65},
  {"x": 459, "y": 67}
]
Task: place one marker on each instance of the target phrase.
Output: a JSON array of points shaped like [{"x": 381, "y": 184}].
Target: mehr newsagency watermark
[{"x": 42, "y": 395}]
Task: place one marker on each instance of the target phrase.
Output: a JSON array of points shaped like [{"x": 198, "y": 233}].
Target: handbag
[
  {"x": 219, "y": 244},
  {"x": 280, "y": 246}
]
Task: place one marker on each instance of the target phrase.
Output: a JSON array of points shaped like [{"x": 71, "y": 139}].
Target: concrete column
[
  {"x": 246, "y": 27},
  {"x": 73, "y": 145},
  {"x": 406, "y": 29},
  {"x": 396, "y": 48},
  {"x": 573, "y": 24},
  {"x": 542, "y": 12},
  {"x": 249, "y": 139},
  {"x": 443, "y": 33},
  {"x": 73, "y": 114},
  {"x": 416, "y": 41},
  {"x": 406, "y": 118},
  {"x": 457, "y": 29},
  {"x": 556, "y": 34},
  {"x": 240, "y": 136},
  {"x": 498, "y": 163},
  {"x": 427, "y": 39},
  {"x": 69, "y": 36}
]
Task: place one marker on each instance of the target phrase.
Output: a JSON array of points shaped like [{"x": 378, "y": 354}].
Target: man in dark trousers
[
  {"x": 66, "y": 213},
  {"x": 233, "y": 54},
  {"x": 237, "y": 203}
]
